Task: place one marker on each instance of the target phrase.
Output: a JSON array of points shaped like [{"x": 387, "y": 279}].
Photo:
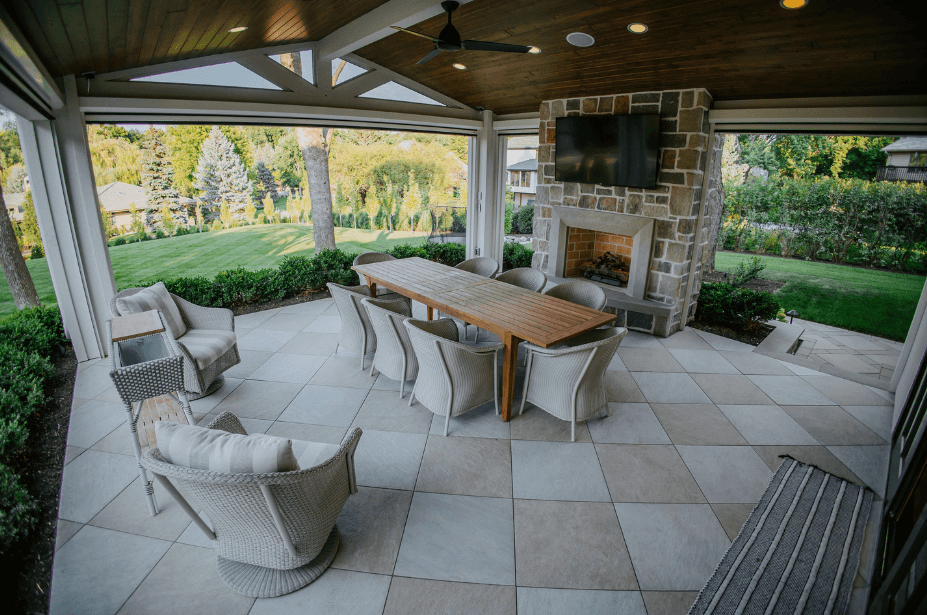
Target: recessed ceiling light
[
  {"x": 580, "y": 39},
  {"x": 793, "y": 4},
  {"x": 534, "y": 50},
  {"x": 237, "y": 29},
  {"x": 459, "y": 66},
  {"x": 640, "y": 28}
]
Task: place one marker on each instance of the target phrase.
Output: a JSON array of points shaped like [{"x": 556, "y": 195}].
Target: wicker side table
[{"x": 145, "y": 362}]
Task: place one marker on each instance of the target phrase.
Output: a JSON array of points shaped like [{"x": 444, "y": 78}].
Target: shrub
[
  {"x": 509, "y": 206},
  {"x": 33, "y": 330},
  {"x": 159, "y": 234},
  {"x": 120, "y": 241},
  {"x": 739, "y": 308},
  {"x": 199, "y": 290},
  {"x": 144, "y": 237},
  {"x": 745, "y": 271},
  {"x": 523, "y": 220},
  {"x": 37, "y": 252},
  {"x": 17, "y": 509},
  {"x": 515, "y": 255}
]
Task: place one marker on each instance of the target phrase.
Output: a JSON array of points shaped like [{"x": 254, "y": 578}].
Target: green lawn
[
  {"x": 253, "y": 247},
  {"x": 870, "y": 301}
]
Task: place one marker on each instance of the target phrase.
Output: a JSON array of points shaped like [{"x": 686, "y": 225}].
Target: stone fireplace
[{"x": 652, "y": 230}]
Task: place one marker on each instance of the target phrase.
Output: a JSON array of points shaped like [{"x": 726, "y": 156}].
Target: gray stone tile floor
[
  {"x": 497, "y": 517},
  {"x": 863, "y": 354}
]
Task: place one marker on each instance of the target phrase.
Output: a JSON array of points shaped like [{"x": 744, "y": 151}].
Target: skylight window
[
  {"x": 303, "y": 63},
  {"x": 228, "y": 74},
  {"x": 400, "y": 93},
  {"x": 342, "y": 71}
]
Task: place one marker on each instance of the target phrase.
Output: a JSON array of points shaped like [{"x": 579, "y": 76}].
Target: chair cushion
[
  {"x": 219, "y": 451},
  {"x": 154, "y": 297},
  {"x": 207, "y": 345}
]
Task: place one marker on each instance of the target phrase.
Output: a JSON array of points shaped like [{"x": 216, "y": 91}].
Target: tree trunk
[
  {"x": 13, "y": 264},
  {"x": 715, "y": 209},
  {"x": 313, "y": 143}
]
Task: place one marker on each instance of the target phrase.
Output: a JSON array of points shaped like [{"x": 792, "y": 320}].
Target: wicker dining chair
[
  {"x": 579, "y": 292},
  {"x": 206, "y": 335},
  {"x": 375, "y": 257},
  {"x": 394, "y": 357},
  {"x": 485, "y": 266},
  {"x": 356, "y": 334},
  {"x": 523, "y": 277},
  {"x": 273, "y": 532},
  {"x": 568, "y": 382},
  {"x": 453, "y": 378}
]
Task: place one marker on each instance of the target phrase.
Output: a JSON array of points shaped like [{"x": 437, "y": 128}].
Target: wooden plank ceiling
[
  {"x": 736, "y": 49},
  {"x": 75, "y": 36}
]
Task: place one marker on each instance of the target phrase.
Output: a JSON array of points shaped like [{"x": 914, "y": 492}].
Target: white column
[
  {"x": 58, "y": 163},
  {"x": 490, "y": 190}
]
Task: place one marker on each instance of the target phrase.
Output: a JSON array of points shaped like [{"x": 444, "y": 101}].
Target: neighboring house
[
  {"x": 522, "y": 179},
  {"x": 116, "y": 199},
  {"x": 14, "y": 204},
  {"x": 907, "y": 161}
]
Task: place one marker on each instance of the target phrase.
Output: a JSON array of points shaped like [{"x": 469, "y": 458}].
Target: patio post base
[{"x": 259, "y": 582}]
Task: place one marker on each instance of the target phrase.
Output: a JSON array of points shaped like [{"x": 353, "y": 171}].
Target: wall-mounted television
[{"x": 609, "y": 150}]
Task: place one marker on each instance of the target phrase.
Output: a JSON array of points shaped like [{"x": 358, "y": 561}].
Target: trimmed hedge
[
  {"x": 28, "y": 340},
  {"x": 736, "y": 307},
  {"x": 301, "y": 274}
]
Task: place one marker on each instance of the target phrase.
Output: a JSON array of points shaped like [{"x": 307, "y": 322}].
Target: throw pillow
[
  {"x": 219, "y": 451},
  {"x": 154, "y": 297}
]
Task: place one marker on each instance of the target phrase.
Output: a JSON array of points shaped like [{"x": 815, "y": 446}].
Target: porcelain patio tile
[
  {"x": 265, "y": 339},
  {"x": 252, "y": 320},
  {"x": 389, "y": 460},
  {"x": 621, "y": 387},
  {"x": 703, "y": 361},
  {"x": 385, "y": 411},
  {"x": 722, "y": 343},
  {"x": 258, "y": 399},
  {"x": 371, "y": 525},
  {"x": 833, "y": 425},
  {"x": 732, "y": 389},
  {"x": 337, "y": 592},
  {"x": 458, "y": 538},
  {"x": 322, "y": 405},
  {"x": 281, "y": 367},
  {"x": 636, "y": 339},
  {"x": 92, "y": 381},
  {"x": 648, "y": 360},
  {"x": 753, "y": 363},
  {"x": 727, "y": 474},
  {"x": 481, "y": 422},
  {"x": 697, "y": 424},
  {"x": 876, "y": 418},
  {"x": 65, "y": 532},
  {"x": 817, "y": 456},
  {"x": 409, "y": 596},
  {"x": 91, "y": 481},
  {"x": 628, "y": 424},
  {"x": 553, "y": 550},
  {"x": 209, "y": 403},
  {"x": 842, "y": 391},
  {"x": 466, "y": 466},
  {"x": 654, "y": 474},
  {"x": 251, "y": 360},
  {"x": 672, "y": 546},
  {"x": 688, "y": 340},
  {"x": 557, "y": 471},
  {"x": 128, "y": 512},
  {"x": 94, "y": 420},
  {"x": 535, "y": 424},
  {"x": 661, "y": 388},
  {"x": 732, "y": 517},
  {"x": 767, "y": 425},
  {"x": 307, "y": 432},
  {"x": 286, "y": 322},
  {"x": 318, "y": 344},
  {"x": 669, "y": 603},
  {"x": 546, "y": 601},
  {"x": 789, "y": 390},
  {"x": 869, "y": 463},
  {"x": 343, "y": 372}
]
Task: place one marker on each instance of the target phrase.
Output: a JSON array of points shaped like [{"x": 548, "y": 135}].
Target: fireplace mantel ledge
[{"x": 621, "y": 300}]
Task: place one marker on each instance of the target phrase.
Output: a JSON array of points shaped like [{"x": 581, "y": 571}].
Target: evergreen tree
[
  {"x": 220, "y": 174},
  {"x": 109, "y": 229},
  {"x": 265, "y": 182},
  {"x": 29, "y": 225},
  {"x": 157, "y": 174}
]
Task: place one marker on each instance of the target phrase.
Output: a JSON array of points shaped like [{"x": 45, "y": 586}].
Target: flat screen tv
[{"x": 609, "y": 150}]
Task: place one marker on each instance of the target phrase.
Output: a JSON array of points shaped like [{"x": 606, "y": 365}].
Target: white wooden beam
[{"x": 375, "y": 25}]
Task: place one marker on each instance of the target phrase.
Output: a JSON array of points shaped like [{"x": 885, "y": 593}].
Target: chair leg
[
  {"x": 476, "y": 340},
  {"x": 402, "y": 389},
  {"x": 524, "y": 393},
  {"x": 412, "y": 394},
  {"x": 573, "y": 430},
  {"x": 447, "y": 422}
]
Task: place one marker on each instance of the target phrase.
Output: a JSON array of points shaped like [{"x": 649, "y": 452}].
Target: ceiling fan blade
[
  {"x": 485, "y": 46},
  {"x": 430, "y": 55},
  {"x": 430, "y": 38}
]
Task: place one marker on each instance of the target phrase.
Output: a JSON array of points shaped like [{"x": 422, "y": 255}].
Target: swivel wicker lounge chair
[
  {"x": 523, "y": 277},
  {"x": 568, "y": 382},
  {"x": 375, "y": 257},
  {"x": 206, "y": 336},
  {"x": 394, "y": 357},
  {"x": 453, "y": 378},
  {"x": 579, "y": 292},
  {"x": 481, "y": 265},
  {"x": 273, "y": 532}
]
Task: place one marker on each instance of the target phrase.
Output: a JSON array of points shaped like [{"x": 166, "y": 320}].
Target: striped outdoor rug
[{"x": 798, "y": 551}]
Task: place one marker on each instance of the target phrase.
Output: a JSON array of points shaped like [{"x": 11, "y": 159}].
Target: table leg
[
  {"x": 509, "y": 361},
  {"x": 431, "y": 313},
  {"x": 373, "y": 287}
]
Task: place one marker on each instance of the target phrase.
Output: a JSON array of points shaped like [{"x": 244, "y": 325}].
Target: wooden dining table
[{"x": 514, "y": 314}]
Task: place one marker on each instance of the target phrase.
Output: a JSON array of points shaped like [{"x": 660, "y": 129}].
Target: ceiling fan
[{"x": 449, "y": 39}]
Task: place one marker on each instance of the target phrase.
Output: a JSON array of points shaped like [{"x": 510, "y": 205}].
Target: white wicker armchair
[
  {"x": 485, "y": 266},
  {"x": 274, "y": 532},
  {"x": 579, "y": 292},
  {"x": 394, "y": 357},
  {"x": 207, "y": 328},
  {"x": 568, "y": 382},
  {"x": 523, "y": 277},
  {"x": 453, "y": 378}
]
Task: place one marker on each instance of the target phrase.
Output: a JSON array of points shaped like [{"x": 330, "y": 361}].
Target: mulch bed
[
  {"x": 753, "y": 338},
  {"x": 28, "y": 565}
]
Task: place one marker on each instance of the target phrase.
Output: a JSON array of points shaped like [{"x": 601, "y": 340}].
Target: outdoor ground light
[{"x": 791, "y": 314}]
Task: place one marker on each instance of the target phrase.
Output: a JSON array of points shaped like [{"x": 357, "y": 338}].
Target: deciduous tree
[{"x": 13, "y": 264}]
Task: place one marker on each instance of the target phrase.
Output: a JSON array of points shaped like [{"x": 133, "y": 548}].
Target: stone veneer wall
[{"x": 673, "y": 203}]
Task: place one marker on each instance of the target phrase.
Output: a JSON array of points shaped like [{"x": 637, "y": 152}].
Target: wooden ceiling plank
[
  {"x": 135, "y": 31},
  {"x": 169, "y": 30},
  {"x": 117, "y": 25},
  {"x": 26, "y": 15},
  {"x": 157, "y": 12},
  {"x": 95, "y": 14},
  {"x": 72, "y": 15},
  {"x": 205, "y": 29},
  {"x": 244, "y": 14}
]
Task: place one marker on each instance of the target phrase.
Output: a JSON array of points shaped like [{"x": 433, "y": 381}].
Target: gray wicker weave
[
  {"x": 198, "y": 382},
  {"x": 375, "y": 257},
  {"x": 140, "y": 381},
  {"x": 274, "y": 532},
  {"x": 523, "y": 277},
  {"x": 394, "y": 356},
  {"x": 579, "y": 292},
  {"x": 356, "y": 334},
  {"x": 568, "y": 382},
  {"x": 485, "y": 266},
  {"x": 453, "y": 378}
]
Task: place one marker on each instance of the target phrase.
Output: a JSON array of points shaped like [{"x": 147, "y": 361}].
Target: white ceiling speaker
[{"x": 580, "y": 39}]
